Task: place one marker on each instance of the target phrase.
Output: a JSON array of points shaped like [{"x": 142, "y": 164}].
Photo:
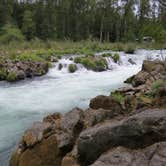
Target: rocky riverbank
[
  {"x": 18, "y": 70},
  {"x": 126, "y": 128}
]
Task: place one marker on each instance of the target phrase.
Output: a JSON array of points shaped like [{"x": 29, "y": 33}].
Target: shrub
[
  {"x": 101, "y": 65},
  {"x": 107, "y": 55},
  {"x": 72, "y": 68},
  {"x": 11, "y": 33},
  {"x": 130, "y": 49},
  {"x": 116, "y": 57},
  {"x": 3, "y": 74},
  {"x": 156, "y": 85},
  {"x": 88, "y": 63},
  {"x": 12, "y": 76},
  {"x": 77, "y": 60},
  {"x": 29, "y": 57}
]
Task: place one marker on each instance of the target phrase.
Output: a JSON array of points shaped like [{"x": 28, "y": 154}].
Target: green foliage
[
  {"x": 3, "y": 74},
  {"x": 77, "y": 60},
  {"x": 107, "y": 55},
  {"x": 10, "y": 33},
  {"x": 154, "y": 30},
  {"x": 130, "y": 49},
  {"x": 84, "y": 20},
  {"x": 88, "y": 63},
  {"x": 72, "y": 68},
  {"x": 29, "y": 57},
  {"x": 118, "y": 97},
  {"x": 12, "y": 76},
  {"x": 116, "y": 57},
  {"x": 92, "y": 63},
  {"x": 156, "y": 85},
  {"x": 28, "y": 26}
]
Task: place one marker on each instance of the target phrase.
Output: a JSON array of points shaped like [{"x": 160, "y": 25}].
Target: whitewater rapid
[{"x": 27, "y": 101}]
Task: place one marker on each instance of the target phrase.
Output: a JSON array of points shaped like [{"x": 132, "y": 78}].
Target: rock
[
  {"x": 69, "y": 161},
  {"x": 137, "y": 131},
  {"x": 150, "y": 66},
  {"x": 140, "y": 79},
  {"x": 53, "y": 59},
  {"x": 154, "y": 155},
  {"x": 45, "y": 153},
  {"x": 73, "y": 121},
  {"x": 52, "y": 118},
  {"x": 131, "y": 61},
  {"x": 105, "y": 102},
  {"x": 129, "y": 80},
  {"x": 60, "y": 66},
  {"x": 36, "y": 133},
  {"x": 93, "y": 117},
  {"x": 21, "y": 75}
]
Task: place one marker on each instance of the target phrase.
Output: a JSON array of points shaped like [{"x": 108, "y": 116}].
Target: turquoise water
[{"x": 27, "y": 101}]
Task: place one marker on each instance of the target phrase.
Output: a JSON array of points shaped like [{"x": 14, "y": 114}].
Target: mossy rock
[
  {"x": 130, "y": 49},
  {"x": 77, "y": 60},
  {"x": 117, "y": 96},
  {"x": 12, "y": 76},
  {"x": 72, "y": 68},
  {"x": 107, "y": 55},
  {"x": 92, "y": 63},
  {"x": 116, "y": 57},
  {"x": 3, "y": 74}
]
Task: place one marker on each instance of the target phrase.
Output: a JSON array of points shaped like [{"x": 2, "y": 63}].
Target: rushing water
[{"x": 59, "y": 91}]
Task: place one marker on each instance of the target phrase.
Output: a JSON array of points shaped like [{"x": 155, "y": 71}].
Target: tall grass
[{"x": 39, "y": 47}]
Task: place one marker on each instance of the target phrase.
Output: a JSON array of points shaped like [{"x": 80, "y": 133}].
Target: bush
[
  {"x": 29, "y": 57},
  {"x": 12, "y": 76},
  {"x": 92, "y": 63},
  {"x": 130, "y": 49},
  {"x": 101, "y": 65},
  {"x": 72, "y": 68},
  {"x": 88, "y": 63},
  {"x": 116, "y": 57},
  {"x": 11, "y": 33},
  {"x": 77, "y": 60},
  {"x": 107, "y": 55},
  {"x": 3, "y": 74},
  {"x": 156, "y": 86}
]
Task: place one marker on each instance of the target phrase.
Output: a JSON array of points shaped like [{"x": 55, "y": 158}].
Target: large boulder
[
  {"x": 154, "y": 155},
  {"x": 36, "y": 133},
  {"x": 105, "y": 102},
  {"x": 93, "y": 116},
  {"x": 47, "y": 142},
  {"x": 137, "y": 131}
]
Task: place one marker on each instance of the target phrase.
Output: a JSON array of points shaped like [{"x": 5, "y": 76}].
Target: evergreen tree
[{"x": 28, "y": 25}]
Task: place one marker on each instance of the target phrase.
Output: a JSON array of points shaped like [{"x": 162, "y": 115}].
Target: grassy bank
[{"x": 37, "y": 50}]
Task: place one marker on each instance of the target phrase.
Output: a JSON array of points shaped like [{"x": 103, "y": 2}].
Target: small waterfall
[{"x": 61, "y": 67}]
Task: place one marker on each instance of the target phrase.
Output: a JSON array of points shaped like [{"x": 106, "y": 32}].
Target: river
[{"x": 27, "y": 101}]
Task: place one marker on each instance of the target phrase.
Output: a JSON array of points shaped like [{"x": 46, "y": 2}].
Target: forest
[{"x": 76, "y": 20}]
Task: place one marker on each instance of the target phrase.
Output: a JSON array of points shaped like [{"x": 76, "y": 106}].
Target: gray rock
[
  {"x": 36, "y": 133},
  {"x": 137, "y": 131},
  {"x": 154, "y": 155}
]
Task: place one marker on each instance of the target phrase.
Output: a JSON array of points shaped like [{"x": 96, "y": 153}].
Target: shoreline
[{"x": 76, "y": 123}]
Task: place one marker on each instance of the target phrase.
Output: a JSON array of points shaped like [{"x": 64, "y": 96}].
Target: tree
[{"x": 28, "y": 25}]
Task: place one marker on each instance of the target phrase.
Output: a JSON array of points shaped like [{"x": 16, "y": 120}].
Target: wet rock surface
[
  {"x": 19, "y": 70},
  {"x": 126, "y": 128}
]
